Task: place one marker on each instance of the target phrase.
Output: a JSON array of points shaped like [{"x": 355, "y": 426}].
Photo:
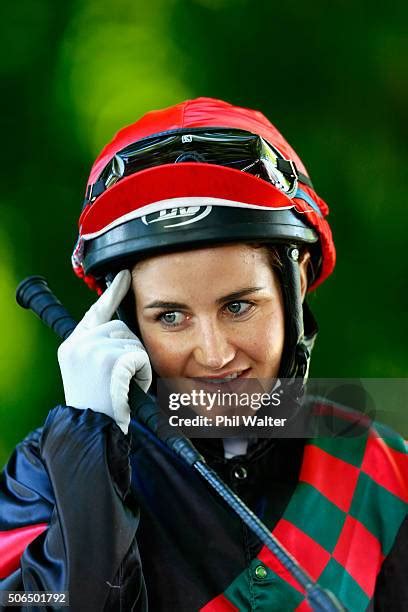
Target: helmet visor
[{"x": 230, "y": 148}]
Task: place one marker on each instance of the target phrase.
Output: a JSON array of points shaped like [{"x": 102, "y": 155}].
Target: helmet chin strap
[{"x": 300, "y": 325}]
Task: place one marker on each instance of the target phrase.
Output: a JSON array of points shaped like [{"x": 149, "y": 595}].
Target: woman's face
[{"x": 211, "y": 313}]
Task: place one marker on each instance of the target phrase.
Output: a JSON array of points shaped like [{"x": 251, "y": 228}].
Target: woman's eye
[
  {"x": 172, "y": 319},
  {"x": 239, "y": 308}
]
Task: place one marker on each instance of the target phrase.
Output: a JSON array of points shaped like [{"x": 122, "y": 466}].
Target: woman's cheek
[
  {"x": 165, "y": 353},
  {"x": 264, "y": 338},
  {"x": 270, "y": 344}
]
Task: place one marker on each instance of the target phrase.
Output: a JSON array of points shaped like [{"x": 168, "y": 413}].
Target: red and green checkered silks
[{"x": 340, "y": 524}]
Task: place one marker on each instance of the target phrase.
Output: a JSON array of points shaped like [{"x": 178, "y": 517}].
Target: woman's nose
[{"x": 213, "y": 349}]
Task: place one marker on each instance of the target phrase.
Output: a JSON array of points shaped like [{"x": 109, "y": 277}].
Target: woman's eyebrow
[
  {"x": 160, "y": 304},
  {"x": 235, "y": 295}
]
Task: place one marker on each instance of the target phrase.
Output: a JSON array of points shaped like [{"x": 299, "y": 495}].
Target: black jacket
[{"x": 124, "y": 525}]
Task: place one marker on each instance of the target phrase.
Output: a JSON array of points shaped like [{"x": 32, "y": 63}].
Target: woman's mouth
[{"x": 223, "y": 378}]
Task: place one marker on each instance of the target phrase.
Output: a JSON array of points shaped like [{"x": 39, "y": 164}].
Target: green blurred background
[{"x": 331, "y": 76}]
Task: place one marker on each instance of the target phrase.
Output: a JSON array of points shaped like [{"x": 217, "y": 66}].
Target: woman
[{"x": 205, "y": 228}]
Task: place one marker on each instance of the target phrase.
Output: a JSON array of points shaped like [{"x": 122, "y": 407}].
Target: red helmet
[{"x": 231, "y": 159}]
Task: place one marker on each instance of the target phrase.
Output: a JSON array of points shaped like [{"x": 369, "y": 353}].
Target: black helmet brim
[{"x": 158, "y": 233}]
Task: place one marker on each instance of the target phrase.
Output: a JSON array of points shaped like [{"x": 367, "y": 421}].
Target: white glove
[{"x": 98, "y": 360}]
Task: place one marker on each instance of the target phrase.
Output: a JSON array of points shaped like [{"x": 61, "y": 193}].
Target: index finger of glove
[{"x": 105, "y": 307}]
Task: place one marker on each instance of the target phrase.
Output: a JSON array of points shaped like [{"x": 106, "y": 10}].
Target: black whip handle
[{"x": 34, "y": 293}]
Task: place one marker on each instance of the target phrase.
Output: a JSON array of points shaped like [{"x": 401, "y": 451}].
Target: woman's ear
[{"x": 304, "y": 263}]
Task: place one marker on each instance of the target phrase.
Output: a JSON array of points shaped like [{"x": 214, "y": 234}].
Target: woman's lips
[{"x": 223, "y": 378}]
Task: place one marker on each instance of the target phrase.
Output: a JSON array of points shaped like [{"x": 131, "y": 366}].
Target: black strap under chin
[{"x": 300, "y": 325}]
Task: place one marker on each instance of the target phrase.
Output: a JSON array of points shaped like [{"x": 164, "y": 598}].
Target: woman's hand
[{"x": 101, "y": 356}]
